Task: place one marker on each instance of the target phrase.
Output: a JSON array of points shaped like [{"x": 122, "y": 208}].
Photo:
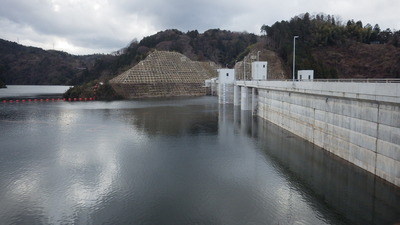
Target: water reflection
[
  {"x": 164, "y": 161},
  {"x": 284, "y": 203},
  {"x": 356, "y": 196},
  {"x": 335, "y": 189},
  {"x": 172, "y": 121}
]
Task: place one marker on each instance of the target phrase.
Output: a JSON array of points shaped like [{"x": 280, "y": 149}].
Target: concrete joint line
[{"x": 376, "y": 140}]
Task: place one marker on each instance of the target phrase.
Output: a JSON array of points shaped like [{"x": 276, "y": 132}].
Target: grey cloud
[
  {"x": 183, "y": 14},
  {"x": 70, "y": 23},
  {"x": 37, "y": 16},
  {"x": 120, "y": 21}
]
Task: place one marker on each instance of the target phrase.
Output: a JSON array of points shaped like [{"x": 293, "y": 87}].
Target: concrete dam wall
[{"x": 359, "y": 122}]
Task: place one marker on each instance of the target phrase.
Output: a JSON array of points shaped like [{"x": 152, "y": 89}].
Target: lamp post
[
  {"x": 244, "y": 68},
  {"x": 294, "y": 54}
]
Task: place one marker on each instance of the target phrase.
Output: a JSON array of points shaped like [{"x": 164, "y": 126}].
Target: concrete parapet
[{"x": 385, "y": 92}]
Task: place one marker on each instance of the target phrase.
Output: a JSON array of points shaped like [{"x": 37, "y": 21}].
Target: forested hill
[
  {"x": 220, "y": 46},
  {"x": 336, "y": 49},
  {"x": 28, "y": 65}
]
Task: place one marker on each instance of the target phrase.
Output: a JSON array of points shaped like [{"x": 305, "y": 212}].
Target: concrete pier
[
  {"x": 254, "y": 101},
  {"x": 236, "y": 95},
  {"x": 359, "y": 122},
  {"x": 245, "y": 98},
  {"x": 225, "y": 95}
]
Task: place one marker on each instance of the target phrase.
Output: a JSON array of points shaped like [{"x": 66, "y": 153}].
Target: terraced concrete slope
[{"x": 161, "y": 74}]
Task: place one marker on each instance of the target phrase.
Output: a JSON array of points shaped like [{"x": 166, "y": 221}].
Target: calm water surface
[
  {"x": 173, "y": 161},
  {"x": 32, "y": 91}
]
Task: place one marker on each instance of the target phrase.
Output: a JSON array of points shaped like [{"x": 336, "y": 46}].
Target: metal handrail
[{"x": 352, "y": 80}]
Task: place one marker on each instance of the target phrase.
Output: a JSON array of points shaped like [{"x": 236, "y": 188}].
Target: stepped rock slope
[{"x": 163, "y": 74}]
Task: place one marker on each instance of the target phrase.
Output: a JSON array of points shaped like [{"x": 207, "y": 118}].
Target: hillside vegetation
[
  {"x": 29, "y": 65},
  {"x": 332, "y": 48},
  {"x": 219, "y": 46},
  {"x": 335, "y": 49}
]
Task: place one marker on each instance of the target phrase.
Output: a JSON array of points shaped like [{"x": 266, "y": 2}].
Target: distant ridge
[{"x": 34, "y": 66}]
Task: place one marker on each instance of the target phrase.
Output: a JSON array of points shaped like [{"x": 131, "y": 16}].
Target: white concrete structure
[
  {"x": 305, "y": 75},
  {"x": 226, "y": 79},
  {"x": 226, "y": 76},
  {"x": 259, "y": 70},
  {"x": 213, "y": 85},
  {"x": 359, "y": 122}
]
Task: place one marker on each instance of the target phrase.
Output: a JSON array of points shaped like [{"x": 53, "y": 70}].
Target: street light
[
  {"x": 244, "y": 68},
  {"x": 294, "y": 53}
]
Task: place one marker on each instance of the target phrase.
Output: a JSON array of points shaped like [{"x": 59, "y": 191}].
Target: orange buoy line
[{"x": 48, "y": 100}]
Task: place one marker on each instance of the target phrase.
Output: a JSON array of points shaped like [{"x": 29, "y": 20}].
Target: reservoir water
[
  {"x": 174, "y": 161},
  {"x": 32, "y": 91}
]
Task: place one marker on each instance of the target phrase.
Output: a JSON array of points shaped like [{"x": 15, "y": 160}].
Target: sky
[{"x": 83, "y": 27}]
